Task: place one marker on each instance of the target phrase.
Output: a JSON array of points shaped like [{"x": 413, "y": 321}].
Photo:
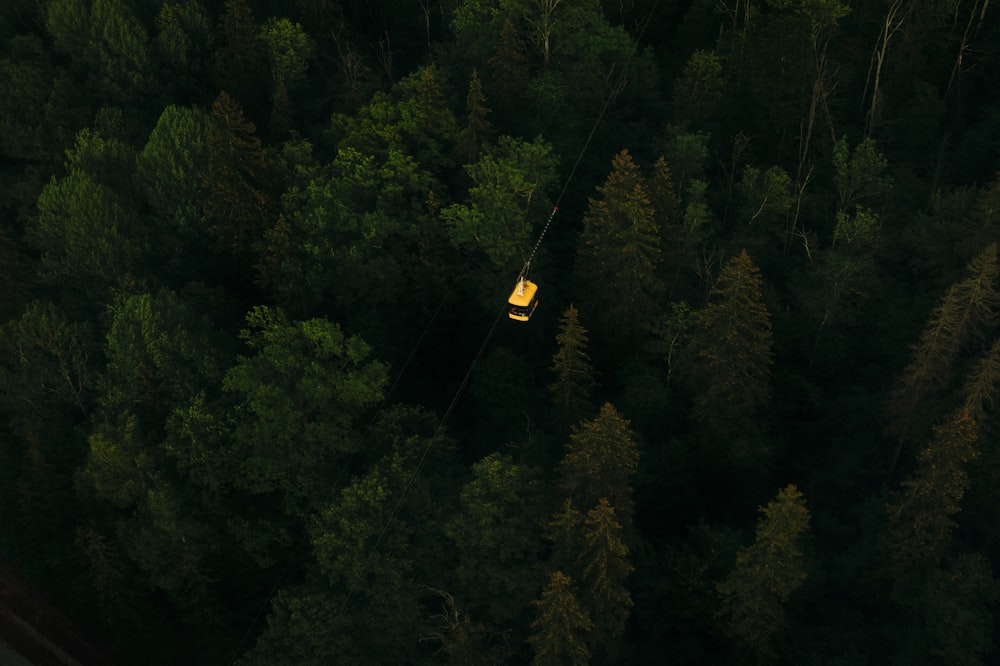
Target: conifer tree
[
  {"x": 560, "y": 628},
  {"x": 606, "y": 567},
  {"x": 698, "y": 90},
  {"x": 920, "y": 522},
  {"x": 239, "y": 61},
  {"x": 980, "y": 388},
  {"x": 766, "y": 574},
  {"x": 510, "y": 68},
  {"x": 235, "y": 203},
  {"x": 478, "y": 129},
  {"x": 730, "y": 349},
  {"x": 574, "y": 384},
  {"x": 601, "y": 458},
  {"x": 565, "y": 534},
  {"x": 620, "y": 253},
  {"x": 966, "y": 310}
]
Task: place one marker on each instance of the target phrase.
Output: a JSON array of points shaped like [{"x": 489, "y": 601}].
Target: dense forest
[{"x": 261, "y": 402}]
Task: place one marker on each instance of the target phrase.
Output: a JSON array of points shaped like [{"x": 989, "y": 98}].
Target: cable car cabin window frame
[{"x": 523, "y": 300}]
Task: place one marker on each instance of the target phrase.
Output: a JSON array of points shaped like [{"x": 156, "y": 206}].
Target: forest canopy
[{"x": 260, "y": 401}]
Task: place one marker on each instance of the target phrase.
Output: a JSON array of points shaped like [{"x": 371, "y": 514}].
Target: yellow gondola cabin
[{"x": 523, "y": 300}]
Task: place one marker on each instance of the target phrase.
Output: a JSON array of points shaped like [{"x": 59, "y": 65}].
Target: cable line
[
  {"x": 347, "y": 463},
  {"x": 465, "y": 380},
  {"x": 482, "y": 347}
]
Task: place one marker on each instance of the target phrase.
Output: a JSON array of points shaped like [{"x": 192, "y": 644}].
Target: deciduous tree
[
  {"x": 498, "y": 535},
  {"x": 300, "y": 393},
  {"x": 507, "y": 195}
]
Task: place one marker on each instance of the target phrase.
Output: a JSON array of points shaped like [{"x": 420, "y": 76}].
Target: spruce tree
[
  {"x": 980, "y": 390},
  {"x": 235, "y": 202},
  {"x": 478, "y": 129},
  {"x": 766, "y": 575},
  {"x": 965, "y": 312},
  {"x": 559, "y": 636},
  {"x": 730, "y": 350},
  {"x": 600, "y": 461},
  {"x": 620, "y": 253},
  {"x": 574, "y": 384},
  {"x": 510, "y": 68},
  {"x": 606, "y": 568},
  {"x": 920, "y": 522},
  {"x": 239, "y": 61}
]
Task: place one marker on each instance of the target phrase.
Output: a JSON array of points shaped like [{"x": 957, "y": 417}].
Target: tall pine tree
[
  {"x": 766, "y": 575},
  {"x": 601, "y": 458},
  {"x": 478, "y": 129},
  {"x": 606, "y": 568},
  {"x": 574, "y": 385},
  {"x": 965, "y": 312},
  {"x": 920, "y": 522},
  {"x": 236, "y": 204},
  {"x": 560, "y": 629},
  {"x": 730, "y": 350},
  {"x": 620, "y": 253}
]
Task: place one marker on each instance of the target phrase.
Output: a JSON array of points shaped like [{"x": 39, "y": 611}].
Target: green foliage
[
  {"x": 687, "y": 154},
  {"x": 86, "y": 236},
  {"x": 767, "y": 195},
  {"x": 413, "y": 119},
  {"x": 159, "y": 353},
  {"x": 698, "y": 91},
  {"x": 239, "y": 60},
  {"x": 168, "y": 174},
  {"x": 377, "y": 545},
  {"x": 766, "y": 574},
  {"x": 67, "y": 21},
  {"x": 507, "y": 195},
  {"x": 498, "y": 535},
  {"x": 859, "y": 176},
  {"x": 388, "y": 167},
  {"x": 118, "y": 53},
  {"x": 300, "y": 394},
  {"x": 46, "y": 368},
  {"x": 339, "y": 224},
  {"x": 509, "y": 63},
  {"x": 42, "y": 107},
  {"x": 289, "y": 50},
  {"x": 183, "y": 41}
]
